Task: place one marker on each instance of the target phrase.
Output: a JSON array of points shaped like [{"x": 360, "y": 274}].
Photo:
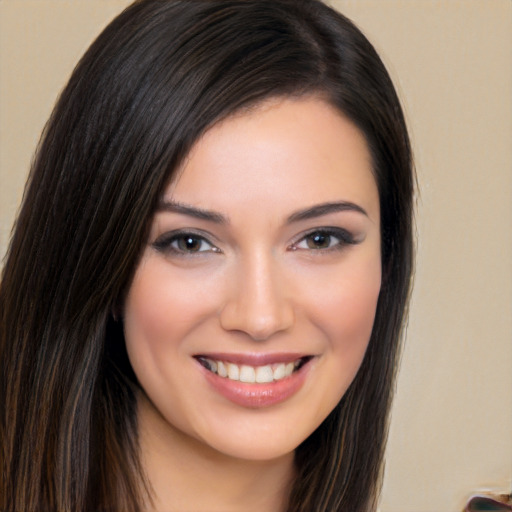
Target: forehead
[{"x": 283, "y": 153}]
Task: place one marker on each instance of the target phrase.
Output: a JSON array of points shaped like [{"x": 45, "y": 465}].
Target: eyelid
[
  {"x": 164, "y": 241},
  {"x": 344, "y": 236}
]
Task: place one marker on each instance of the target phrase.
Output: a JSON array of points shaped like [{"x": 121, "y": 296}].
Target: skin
[{"x": 256, "y": 283}]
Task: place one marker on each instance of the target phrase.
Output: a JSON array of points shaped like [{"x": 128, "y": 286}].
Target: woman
[{"x": 204, "y": 293}]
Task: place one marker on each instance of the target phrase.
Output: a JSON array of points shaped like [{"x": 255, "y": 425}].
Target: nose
[{"x": 258, "y": 303}]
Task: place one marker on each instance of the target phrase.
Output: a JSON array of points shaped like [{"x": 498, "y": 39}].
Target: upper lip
[{"x": 254, "y": 359}]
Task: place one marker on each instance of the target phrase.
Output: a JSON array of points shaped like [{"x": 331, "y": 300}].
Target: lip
[
  {"x": 257, "y": 395},
  {"x": 254, "y": 359}
]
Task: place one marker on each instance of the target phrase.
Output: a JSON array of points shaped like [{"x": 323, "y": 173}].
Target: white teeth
[
  {"x": 279, "y": 371},
  {"x": 233, "y": 371},
  {"x": 247, "y": 374},
  {"x": 264, "y": 374},
  {"x": 251, "y": 374},
  {"x": 221, "y": 369}
]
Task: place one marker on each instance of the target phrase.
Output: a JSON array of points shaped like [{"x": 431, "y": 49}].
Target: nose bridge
[{"x": 259, "y": 303}]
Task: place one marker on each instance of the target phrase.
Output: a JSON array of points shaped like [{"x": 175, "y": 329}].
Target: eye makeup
[
  {"x": 188, "y": 242},
  {"x": 324, "y": 239},
  {"x": 184, "y": 243}
]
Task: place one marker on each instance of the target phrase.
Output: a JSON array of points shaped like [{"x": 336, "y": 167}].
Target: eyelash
[
  {"x": 165, "y": 242},
  {"x": 343, "y": 236}
]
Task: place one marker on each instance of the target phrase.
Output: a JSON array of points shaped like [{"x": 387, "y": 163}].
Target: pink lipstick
[{"x": 257, "y": 380}]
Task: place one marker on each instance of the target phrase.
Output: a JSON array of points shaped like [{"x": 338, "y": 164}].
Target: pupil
[
  {"x": 190, "y": 244},
  {"x": 319, "y": 241}
]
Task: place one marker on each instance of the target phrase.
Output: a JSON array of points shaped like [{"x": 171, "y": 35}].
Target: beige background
[{"x": 452, "y": 63}]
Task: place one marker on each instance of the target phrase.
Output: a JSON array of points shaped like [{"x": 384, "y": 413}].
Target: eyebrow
[
  {"x": 192, "y": 211},
  {"x": 324, "y": 209},
  {"x": 305, "y": 214}
]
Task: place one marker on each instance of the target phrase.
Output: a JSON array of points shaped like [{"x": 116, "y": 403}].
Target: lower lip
[{"x": 258, "y": 395}]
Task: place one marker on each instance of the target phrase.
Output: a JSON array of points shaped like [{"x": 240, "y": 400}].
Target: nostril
[{"x": 257, "y": 319}]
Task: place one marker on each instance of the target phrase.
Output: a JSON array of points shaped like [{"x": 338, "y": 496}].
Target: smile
[
  {"x": 255, "y": 381},
  {"x": 252, "y": 374}
]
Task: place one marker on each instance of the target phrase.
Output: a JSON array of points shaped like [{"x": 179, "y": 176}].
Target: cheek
[
  {"x": 144, "y": 325},
  {"x": 145, "y": 309},
  {"x": 161, "y": 306},
  {"x": 345, "y": 310},
  {"x": 154, "y": 321}
]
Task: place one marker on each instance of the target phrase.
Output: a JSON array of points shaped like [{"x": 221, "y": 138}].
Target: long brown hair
[{"x": 159, "y": 75}]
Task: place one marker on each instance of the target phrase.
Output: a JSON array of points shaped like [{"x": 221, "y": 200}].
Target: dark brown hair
[{"x": 159, "y": 75}]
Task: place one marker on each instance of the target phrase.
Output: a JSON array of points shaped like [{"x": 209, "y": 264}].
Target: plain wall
[{"x": 452, "y": 64}]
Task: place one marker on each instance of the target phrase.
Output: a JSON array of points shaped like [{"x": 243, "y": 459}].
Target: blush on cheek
[
  {"x": 151, "y": 301},
  {"x": 145, "y": 320},
  {"x": 350, "y": 314}
]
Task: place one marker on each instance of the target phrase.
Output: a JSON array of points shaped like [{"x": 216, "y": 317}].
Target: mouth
[
  {"x": 255, "y": 381},
  {"x": 249, "y": 374}
]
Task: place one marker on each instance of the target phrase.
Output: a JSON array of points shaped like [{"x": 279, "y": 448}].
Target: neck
[{"x": 187, "y": 476}]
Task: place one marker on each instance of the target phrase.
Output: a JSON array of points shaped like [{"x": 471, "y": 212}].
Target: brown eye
[
  {"x": 189, "y": 243},
  {"x": 325, "y": 239},
  {"x": 183, "y": 244},
  {"x": 318, "y": 241}
]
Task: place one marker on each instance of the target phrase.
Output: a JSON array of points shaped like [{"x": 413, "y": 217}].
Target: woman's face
[{"x": 263, "y": 263}]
